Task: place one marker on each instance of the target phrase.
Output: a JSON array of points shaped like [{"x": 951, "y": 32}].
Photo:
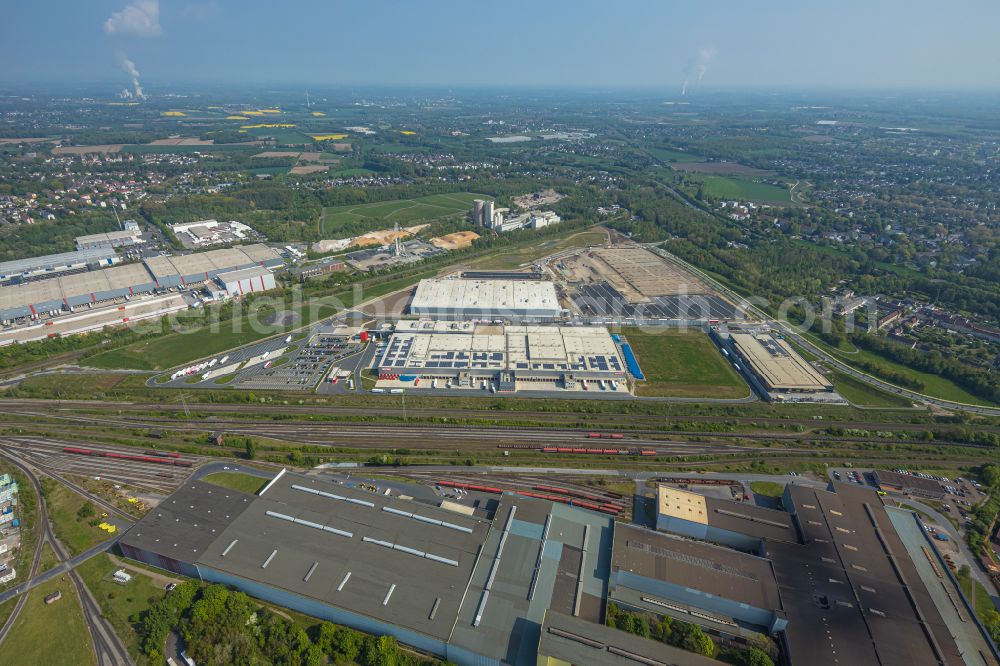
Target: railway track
[
  {"x": 626, "y": 421},
  {"x": 108, "y": 648},
  {"x": 47, "y": 454},
  {"x": 424, "y": 436}
]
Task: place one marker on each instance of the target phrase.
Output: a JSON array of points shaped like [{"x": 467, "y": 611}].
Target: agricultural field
[
  {"x": 722, "y": 187},
  {"x": 722, "y": 169},
  {"x": 682, "y": 364},
  {"x": 407, "y": 212},
  {"x": 666, "y": 155}
]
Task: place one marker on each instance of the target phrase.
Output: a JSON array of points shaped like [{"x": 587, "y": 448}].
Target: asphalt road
[
  {"x": 108, "y": 647},
  {"x": 827, "y": 358}
]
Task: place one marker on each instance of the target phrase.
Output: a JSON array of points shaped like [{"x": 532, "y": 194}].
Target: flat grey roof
[
  {"x": 106, "y": 237},
  {"x": 223, "y": 259},
  {"x": 73, "y": 286},
  {"x": 160, "y": 266},
  {"x": 777, "y": 364},
  {"x": 185, "y": 524},
  {"x": 740, "y": 517},
  {"x": 715, "y": 570},
  {"x": 575, "y": 641},
  {"x": 535, "y": 571},
  {"x": 750, "y": 519},
  {"x": 61, "y": 260},
  {"x": 850, "y": 590},
  {"x": 375, "y": 549},
  {"x": 397, "y": 561},
  {"x": 883, "y": 476},
  {"x": 244, "y": 273}
]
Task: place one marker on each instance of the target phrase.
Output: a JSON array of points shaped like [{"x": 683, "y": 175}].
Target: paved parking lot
[{"x": 305, "y": 367}]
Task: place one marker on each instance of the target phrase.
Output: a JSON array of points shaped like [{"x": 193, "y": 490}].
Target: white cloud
[{"x": 140, "y": 17}]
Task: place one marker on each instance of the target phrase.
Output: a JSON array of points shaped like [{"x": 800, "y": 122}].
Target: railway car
[{"x": 82, "y": 452}]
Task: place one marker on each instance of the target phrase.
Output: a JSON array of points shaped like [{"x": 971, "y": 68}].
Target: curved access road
[
  {"x": 819, "y": 352},
  {"x": 108, "y": 647}
]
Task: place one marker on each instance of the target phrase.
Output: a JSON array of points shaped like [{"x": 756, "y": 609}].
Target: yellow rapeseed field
[
  {"x": 407, "y": 132},
  {"x": 318, "y": 113},
  {"x": 270, "y": 125},
  {"x": 237, "y": 118},
  {"x": 173, "y": 114},
  {"x": 328, "y": 137}
]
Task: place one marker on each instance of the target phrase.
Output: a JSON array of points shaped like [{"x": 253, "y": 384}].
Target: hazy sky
[{"x": 658, "y": 43}]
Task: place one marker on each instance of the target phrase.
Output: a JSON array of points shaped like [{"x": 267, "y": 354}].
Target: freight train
[
  {"x": 593, "y": 451},
  {"x": 580, "y": 449},
  {"x": 169, "y": 460},
  {"x": 603, "y": 507}
]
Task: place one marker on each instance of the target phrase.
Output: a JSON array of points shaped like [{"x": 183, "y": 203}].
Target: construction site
[{"x": 628, "y": 281}]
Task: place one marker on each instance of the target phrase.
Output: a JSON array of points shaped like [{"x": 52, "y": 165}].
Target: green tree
[
  {"x": 86, "y": 510},
  {"x": 698, "y": 641},
  {"x": 757, "y": 657},
  {"x": 381, "y": 651},
  {"x": 251, "y": 449}
]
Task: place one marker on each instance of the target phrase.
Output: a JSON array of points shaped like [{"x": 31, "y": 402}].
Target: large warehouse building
[
  {"x": 48, "y": 265},
  {"x": 111, "y": 239},
  {"x": 192, "y": 269},
  {"x": 70, "y": 291},
  {"x": 33, "y": 298},
  {"x": 524, "y": 581},
  {"x": 246, "y": 281},
  {"x": 515, "y": 357},
  {"x": 841, "y": 576},
  {"x": 778, "y": 367},
  {"x": 490, "y": 300},
  {"x": 472, "y": 589}
]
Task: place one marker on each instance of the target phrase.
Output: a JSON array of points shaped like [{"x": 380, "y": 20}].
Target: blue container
[{"x": 631, "y": 362}]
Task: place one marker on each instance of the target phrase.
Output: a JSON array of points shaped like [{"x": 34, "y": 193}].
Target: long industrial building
[
  {"x": 489, "y": 300},
  {"x": 190, "y": 269},
  {"x": 776, "y": 365},
  {"x": 246, "y": 281},
  {"x": 48, "y": 265},
  {"x": 840, "y": 577},
  {"x": 516, "y": 357},
  {"x": 111, "y": 239},
  {"x": 33, "y": 298},
  {"x": 523, "y": 581},
  {"x": 472, "y": 589}
]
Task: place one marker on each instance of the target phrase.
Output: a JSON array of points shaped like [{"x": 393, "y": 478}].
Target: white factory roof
[
  {"x": 244, "y": 273},
  {"x": 54, "y": 261},
  {"x": 429, "y": 346},
  {"x": 213, "y": 260},
  {"x": 485, "y": 295},
  {"x": 106, "y": 237},
  {"x": 71, "y": 286},
  {"x": 774, "y": 361}
]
